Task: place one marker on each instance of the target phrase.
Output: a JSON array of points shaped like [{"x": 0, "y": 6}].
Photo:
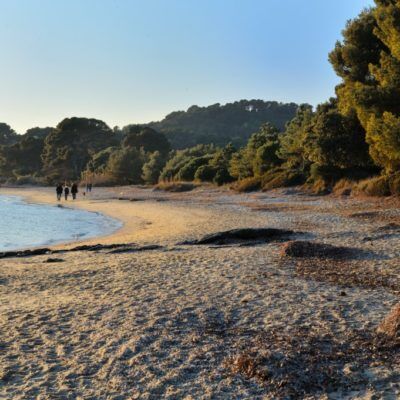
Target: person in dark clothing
[
  {"x": 66, "y": 192},
  {"x": 74, "y": 190},
  {"x": 59, "y": 191}
]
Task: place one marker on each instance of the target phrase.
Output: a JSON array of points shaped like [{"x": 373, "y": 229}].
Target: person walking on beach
[
  {"x": 59, "y": 191},
  {"x": 74, "y": 190},
  {"x": 66, "y": 192}
]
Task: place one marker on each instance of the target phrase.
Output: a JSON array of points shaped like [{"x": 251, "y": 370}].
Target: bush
[
  {"x": 175, "y": 186},
  {"x": 320, "y": 187},
  {"x": 152, "y": 168},
  {"x": 394, "y": 184},
  {"x": 29, "y": 180},
  {"x": 278, "y": 178},
  {"x": 180, "y": 158},
  {"x": 103, "y": 179},
  {"x": 378, "y": 186},
  {"x": 247, "y": 185},
  {"x": 358, "y": 174},
  {"x": 10, "y": 181},
  {"x": 343, "y": 187},
  {"x": 222, "y": 176},
  {"x": 187, "y": 172},
  {"x": 329, "y": 174},
  {"x": 125, "y": 165},
  {"x": 205, "y": 173}
]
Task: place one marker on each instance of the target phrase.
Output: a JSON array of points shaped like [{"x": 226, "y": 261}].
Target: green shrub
[
  {"x": 152, "y": 168},
  {"x": 187, "y": 172},
  {"x": 205, "y": 173},
  {"x": 29, "y": 180},
  {"x": 222, "y": 176},
  {"x": 125, "y": 165},
  {"x": 329, "y": 174},
  {"x": 10, "y": 181},
  {"x": 179, "y": 160}
]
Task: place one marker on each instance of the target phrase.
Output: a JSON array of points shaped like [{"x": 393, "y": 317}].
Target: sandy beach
[{"x": 204, "y": 322}]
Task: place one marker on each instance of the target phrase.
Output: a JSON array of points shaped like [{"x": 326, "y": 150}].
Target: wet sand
[{"x": 176, "y": 322}]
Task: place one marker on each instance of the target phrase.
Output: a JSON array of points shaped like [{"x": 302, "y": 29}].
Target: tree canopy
[
  {"x": 368, "y": 61},
  {"x": 22, "y": 158},
  {"x": 70, "y": 146},
  {"x": 7, "y": 134},
  {"x": 147, "y": 139}
]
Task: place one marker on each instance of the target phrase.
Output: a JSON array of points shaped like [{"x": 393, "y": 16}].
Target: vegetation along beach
[{"x": 231, "y": 232}]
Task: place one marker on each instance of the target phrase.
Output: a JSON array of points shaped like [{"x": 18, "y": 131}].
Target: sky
[{"x": 133, "y": 61}]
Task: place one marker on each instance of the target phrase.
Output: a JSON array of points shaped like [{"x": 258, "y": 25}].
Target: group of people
[{"x": 66, "y": 190}]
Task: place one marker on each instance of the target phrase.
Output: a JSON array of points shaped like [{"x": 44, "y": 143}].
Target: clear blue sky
[{"x": 126, "y": 61}]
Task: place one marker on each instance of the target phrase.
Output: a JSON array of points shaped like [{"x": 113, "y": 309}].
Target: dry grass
[
  {"x": 176, "y": 187},
  {"x": 279, "y": 178},
  {"x": 319, "y": 187},
  {"x": 103, "y": 179},
  {"x": 247, "y": 185},
  {"x": 378, "y": 186},
  {"x": 343, "y": 187}
]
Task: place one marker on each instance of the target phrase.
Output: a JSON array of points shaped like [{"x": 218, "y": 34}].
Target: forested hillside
[{"x": 221, "y": 124}]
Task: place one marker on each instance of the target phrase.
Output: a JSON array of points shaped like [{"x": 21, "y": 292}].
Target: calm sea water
[{"x": 24, "y": 225}]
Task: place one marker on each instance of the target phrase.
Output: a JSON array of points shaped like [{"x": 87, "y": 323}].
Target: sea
[{"x": 25, "y": 225}]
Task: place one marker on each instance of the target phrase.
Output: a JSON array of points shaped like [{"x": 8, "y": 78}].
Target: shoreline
[
  {"x": 60, "y": 243},
  {"x": 151, "y": 220},
  {"x": 43, "y": 196}
]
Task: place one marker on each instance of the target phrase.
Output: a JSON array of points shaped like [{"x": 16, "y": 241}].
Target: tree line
[
  {"x": 350, "y": 141},
  {"x": 79, "y": 148}
]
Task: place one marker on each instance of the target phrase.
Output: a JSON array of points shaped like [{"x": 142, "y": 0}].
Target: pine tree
[{"x": 368, "y": 61}]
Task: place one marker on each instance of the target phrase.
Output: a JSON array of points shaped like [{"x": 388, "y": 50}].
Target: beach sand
[{"x": 203, "y": 322}]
